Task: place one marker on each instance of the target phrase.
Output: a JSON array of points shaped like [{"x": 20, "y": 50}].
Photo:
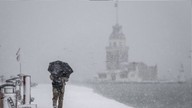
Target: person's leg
[
  {"x": 61, "y": 94},
  {"x": 55, "y": 97}
]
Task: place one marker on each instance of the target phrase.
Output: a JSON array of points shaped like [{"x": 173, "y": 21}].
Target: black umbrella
[{"x": 60, "y": 68}]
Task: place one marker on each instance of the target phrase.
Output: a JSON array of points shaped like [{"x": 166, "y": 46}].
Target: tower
[
  {"x": 181, "y": 75},
  {"x": 117, "y": 51}
]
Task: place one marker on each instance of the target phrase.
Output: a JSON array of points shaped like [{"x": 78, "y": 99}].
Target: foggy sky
[{"x": 77, "y": 32}]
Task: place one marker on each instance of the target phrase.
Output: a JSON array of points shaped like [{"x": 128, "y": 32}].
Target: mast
[
  {"x": 18, "y": 57},
  {"x": 117, "y": 10}
]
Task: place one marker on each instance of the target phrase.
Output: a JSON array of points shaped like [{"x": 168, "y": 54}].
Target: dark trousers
[{"x": 58, "y": 96}]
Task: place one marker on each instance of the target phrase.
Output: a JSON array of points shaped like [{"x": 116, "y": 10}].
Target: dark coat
[{"x": 59, "y": 70}]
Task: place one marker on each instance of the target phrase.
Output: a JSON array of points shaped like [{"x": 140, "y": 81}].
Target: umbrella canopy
[{"x": 60, "y": 68}]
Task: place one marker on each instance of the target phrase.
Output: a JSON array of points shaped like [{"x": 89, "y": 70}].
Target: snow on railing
[{"x": 16, "y": 93}]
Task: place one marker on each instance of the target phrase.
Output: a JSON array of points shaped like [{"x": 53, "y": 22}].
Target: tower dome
[{"x": 117, "y": 33}]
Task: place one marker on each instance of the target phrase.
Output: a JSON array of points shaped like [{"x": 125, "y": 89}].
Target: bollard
[{"x": 26, "y": 89}]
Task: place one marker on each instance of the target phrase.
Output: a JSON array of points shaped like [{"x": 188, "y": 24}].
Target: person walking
[{"x": 60, "y": 72}]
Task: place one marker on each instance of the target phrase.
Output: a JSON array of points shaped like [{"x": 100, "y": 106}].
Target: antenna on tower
[{"x": 117, "y": 6}]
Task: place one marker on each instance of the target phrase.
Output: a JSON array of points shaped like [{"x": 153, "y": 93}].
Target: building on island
[{"x": 118, "y": 67}]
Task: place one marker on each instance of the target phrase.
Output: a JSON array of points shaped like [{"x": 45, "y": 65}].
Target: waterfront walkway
[{"x": 75, "y": 97}]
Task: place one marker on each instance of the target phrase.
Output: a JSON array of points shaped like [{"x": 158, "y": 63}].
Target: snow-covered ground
[{"x": 75, "y": 97}]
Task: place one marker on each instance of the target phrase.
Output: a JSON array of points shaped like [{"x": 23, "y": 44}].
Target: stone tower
[{"x": 117, "y": 51}]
